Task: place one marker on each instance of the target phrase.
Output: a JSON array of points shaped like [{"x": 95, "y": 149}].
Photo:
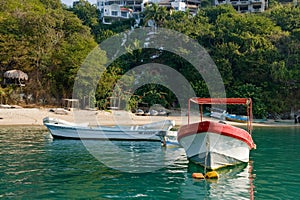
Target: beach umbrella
[{"x": 16, "y": 74}]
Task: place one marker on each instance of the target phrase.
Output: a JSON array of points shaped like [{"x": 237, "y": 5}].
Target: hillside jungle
[{"x": 258, "y": 55}]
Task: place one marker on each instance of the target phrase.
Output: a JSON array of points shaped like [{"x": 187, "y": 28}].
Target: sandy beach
[{"x": 34, "y": 117}]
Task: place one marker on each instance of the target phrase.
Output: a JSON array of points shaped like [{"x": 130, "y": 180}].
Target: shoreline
[{"x": 34, "y": 117}]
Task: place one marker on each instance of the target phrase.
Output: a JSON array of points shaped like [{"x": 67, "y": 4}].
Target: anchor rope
[{"x": 206, "y": 153}]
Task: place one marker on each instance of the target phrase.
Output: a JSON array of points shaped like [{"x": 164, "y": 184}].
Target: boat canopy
[
  {"x": 244, "y": 101},
  {"x": 237, "y": 101}
]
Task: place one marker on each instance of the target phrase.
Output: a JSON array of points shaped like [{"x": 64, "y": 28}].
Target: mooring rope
[{"x": 206, "y": 154}]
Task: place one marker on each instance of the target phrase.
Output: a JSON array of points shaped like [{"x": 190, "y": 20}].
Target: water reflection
[
  {"x": 133, "y": 157},
  {"x": 173, "y": 174},
  {"x": 235, "y": 182}
]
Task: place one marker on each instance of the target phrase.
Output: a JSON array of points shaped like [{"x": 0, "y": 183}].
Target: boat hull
[
  {"x": 61, "y": 131},
  {"x": 67, "y": 130},
  {"x": 236, "y": 118},
  {"x": 214, "y": 145}
]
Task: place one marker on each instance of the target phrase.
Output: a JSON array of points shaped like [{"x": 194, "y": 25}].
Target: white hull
[
  {"x": 215, "y": 150},
  {"x": 217, "y": 144},
  {"x": 171, "y": 139},
  {"x": 67, "y": 130},
  {"x": 218, "y": 115}
]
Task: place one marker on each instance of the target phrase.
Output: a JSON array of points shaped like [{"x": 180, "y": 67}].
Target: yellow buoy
[
  {"x": 212, "y": 175},
  {"x": 198, "y": 175}
]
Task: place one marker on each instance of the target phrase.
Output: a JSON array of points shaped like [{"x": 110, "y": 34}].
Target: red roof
[
  {"x": 198, "y": 100},
  {"x": 126, "y": 9}
]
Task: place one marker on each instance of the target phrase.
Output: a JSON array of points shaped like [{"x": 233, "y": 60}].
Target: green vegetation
[
  {"x": 46, "y": 41},
  {"x": 258, "y": 55}
]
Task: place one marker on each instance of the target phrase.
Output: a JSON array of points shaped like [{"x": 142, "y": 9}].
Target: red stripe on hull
[{"x": 218, "y": 128}]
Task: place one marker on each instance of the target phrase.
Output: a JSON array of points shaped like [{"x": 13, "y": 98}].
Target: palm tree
[{"x": 156, "y": 13}]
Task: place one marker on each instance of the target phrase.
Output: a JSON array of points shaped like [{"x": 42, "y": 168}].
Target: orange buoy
[
  {"x": 198, "y": 175},
  {"x": 212, "y": 175}
]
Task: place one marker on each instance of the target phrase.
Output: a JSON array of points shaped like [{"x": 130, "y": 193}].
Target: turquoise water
[{"x": 33, "y": 166}]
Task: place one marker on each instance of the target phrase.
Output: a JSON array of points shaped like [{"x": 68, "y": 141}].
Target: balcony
[
  {"x": 256, "y": 1},
  {"x": 193, "y": 1},
  {"x": 234, "y": 2},
  {"x": 245, "y": 2},
  {"x": 242, "y": 2}
]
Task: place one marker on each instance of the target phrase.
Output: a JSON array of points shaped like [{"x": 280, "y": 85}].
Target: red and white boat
[{"x": 216, "y": 144}]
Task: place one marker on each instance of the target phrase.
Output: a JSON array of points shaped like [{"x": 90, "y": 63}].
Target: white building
[
  {"x": 113, "y": 10},
  {"x": 245, "y": 6},
  {"x": 179, "y": 5}
]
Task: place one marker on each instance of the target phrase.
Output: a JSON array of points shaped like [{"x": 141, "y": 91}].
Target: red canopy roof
[
  {"x": 243, "y": 101},
  {"x": 198, "y": 100}
]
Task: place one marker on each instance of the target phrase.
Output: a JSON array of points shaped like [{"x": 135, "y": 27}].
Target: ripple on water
[{"x": 35, "y": 167}]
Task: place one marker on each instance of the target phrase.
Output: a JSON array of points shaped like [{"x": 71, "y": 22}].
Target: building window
[
  {"x": 257, "y": 8},
  {"x": 123, "y": 14},
  {"x": 114, "y": 13},
  {"x": 244, "y": 9}
]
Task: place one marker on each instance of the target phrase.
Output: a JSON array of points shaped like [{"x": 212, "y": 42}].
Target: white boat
[
  {"x": 218, "y": 113},
  {"x": 139, "y": 112},
  {"x": 50, "y": 120},
  {"x": 236, "y": 118},
  {"x": 5, "y": 106},
  {"x": 171, "y": 139},
  {"x": 153, "y": 112},
  {"x": 216, "y": 144},
  {"x": 68, "y": 130}
]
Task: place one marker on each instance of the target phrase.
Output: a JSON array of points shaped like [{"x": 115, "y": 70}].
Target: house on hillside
[
  {"x": 116, "y": 10},
  {"x": 245, "y": 6}
]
